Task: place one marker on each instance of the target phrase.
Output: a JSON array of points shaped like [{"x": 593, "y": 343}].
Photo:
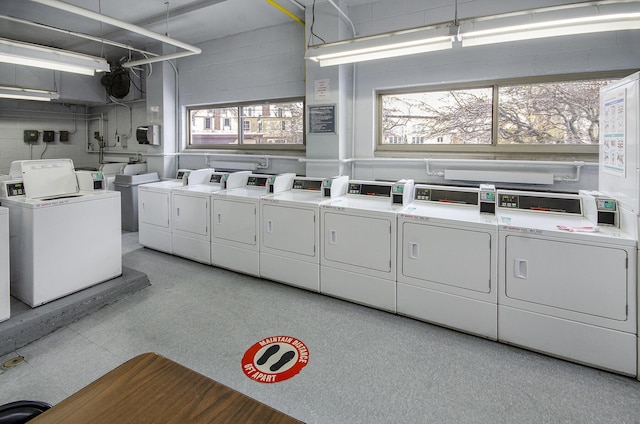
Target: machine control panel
[
  {"x": 606, "y": 204},
  {"x": 14, "y": 189},
  {"x": 218, "y": 178},
  {"x": 306, "y": 184},
  {"x": 508, "y": 201},
  {"x": 487, "y": 198},
  {"x": 182, "y": 173},
  {"x": 560, "y": 203},
  {"x": 462, "y": 197},
  {"x": 364, "y": 189},
  {"x": 256, "y": 181},
  {"x": 607, "y": 211}
]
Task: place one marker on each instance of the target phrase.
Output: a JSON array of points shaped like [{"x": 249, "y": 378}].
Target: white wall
[
  {"x": 574, "y": 54},
  {"x": 264, "y": 64},
  {"x": 17, "y": 116}
]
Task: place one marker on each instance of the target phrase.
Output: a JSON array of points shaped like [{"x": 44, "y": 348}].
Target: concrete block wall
[
  {"x": 17, "y": 116},
  {"x": 263, "y": 64}
]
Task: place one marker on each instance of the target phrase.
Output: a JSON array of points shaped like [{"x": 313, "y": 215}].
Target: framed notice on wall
[
  {"x": 322, "y": 119},
  {"x": 613, "y": 127}
]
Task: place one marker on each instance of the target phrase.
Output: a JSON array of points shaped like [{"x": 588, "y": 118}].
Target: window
[
  {"x": 533, "y": 116},
  {"x": 273, "y": 124},
  {"x": 453, "y": 116}
]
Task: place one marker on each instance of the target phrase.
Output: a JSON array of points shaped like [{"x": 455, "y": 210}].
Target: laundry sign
[{"x": 275, "y": 359}]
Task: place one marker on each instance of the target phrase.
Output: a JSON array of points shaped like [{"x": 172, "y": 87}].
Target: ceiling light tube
[
  {"x": 190, "y": 50},
  {"x": 379, "y": 47},
  {"x": 585, "y": 25},
  {"x": 27, "y": 94},
  {"x": 27, "y": 54}
]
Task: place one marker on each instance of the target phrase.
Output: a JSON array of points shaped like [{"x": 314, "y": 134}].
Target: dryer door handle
[
  {"x": 269, "y": 226},
  {"x": 414, "y": 250},
  {"x": 520, "y": 268},
  {"x": 333, "y": 236},
  {"x": 219, "y": 218}
]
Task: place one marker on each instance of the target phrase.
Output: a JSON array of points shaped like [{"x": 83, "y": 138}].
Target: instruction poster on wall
[
  {"x": 613, "y": 127},
  {"x": 322, "y": 119}
]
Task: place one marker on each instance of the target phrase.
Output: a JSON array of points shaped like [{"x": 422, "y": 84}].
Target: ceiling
[{"x": 188, "y": 21}]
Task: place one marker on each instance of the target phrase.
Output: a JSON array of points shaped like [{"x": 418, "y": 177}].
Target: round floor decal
[{"x": 275, "y": 359}]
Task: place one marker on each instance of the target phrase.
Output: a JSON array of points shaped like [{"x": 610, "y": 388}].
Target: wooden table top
[{"x": 153, "y": 389}]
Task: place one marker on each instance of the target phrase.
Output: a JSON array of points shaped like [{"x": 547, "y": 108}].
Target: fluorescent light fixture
[
  {"x": 378, "y": 47},
  {"x": 585, "y": 25},
  {"x": 27, "y": 94},
  {"x": 27, "y": 54}
]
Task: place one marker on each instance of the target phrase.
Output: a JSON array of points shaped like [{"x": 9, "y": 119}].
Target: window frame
[
  {"x": 493, "y": 150},
  {"x": 293, "y": 148}
]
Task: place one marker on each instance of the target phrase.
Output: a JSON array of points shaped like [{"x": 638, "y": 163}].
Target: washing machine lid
[
  {"x": 297, "y": 196},
  {"x": 49, "y": 178}
]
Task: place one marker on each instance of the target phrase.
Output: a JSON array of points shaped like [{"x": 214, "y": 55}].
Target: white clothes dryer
[
  {"x": 61, "y": 240},
  {"x": 358, "y": 245},
  {"x": 5, "y": 300},
  {"x": 154, "y": 212},
  {"x": 191, "y": 213},
  {"x": 447, "y": 260},
  {"x": 290, "y": 231},
  {"x": 235, "y": 239},
  {"x": 566, "y": 286}
]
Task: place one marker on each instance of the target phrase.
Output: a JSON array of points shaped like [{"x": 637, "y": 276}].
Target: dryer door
[
  {"x": 289, "y": 229},
  {"x": 360, "y": 241},
  {"x": 583, "y": 278},
  {"x": 455, "y": 257},
  {"x": 234, "y": 221},
  {"x": 191, "y": 214},
  {"x": 153, "y": 208}
]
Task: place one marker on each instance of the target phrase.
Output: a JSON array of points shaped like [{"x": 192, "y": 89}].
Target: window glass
[
  {"x": 264, "y": 124},
  {"x": 222, "y": 125},
  {"x": 543, "y": 116},
  {"x": 438, "y": 117},
  {"x": 549, "y": 113}
]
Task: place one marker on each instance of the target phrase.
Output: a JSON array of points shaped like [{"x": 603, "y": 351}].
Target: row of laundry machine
[
  {"x": 59, "y": 232},
  {"x": 552, "y": 272}
]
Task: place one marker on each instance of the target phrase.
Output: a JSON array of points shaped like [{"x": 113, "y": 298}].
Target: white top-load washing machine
[
  {"x": 235, "y": 238},
  {"x": 290, "y": 230},
  {"x": 191, "y": 212},
  {"x": 62, "y": 240},
  {"x": 567, "y": 287},
  {"x": 154, "y": 212},
  {"x": 110, "y": 170},
  {"x": 5, "y": 300},
  {"x": 358, "y": 245},
  {"x": 447, "y": 260}
]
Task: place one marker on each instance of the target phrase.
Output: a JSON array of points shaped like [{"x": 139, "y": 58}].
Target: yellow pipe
[{"x": 286, "y": 12}]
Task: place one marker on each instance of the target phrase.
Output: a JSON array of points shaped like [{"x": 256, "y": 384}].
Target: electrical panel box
[
  {"x": 64, "y": 135},
  {"x": 30, "y": 136},
  {"x": 48, "y": 136}
]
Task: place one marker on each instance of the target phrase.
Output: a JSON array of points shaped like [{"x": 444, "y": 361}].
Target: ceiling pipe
[
  {"x": 346, "y": 18},
  {"x": 286, "y": 12},
  {"x": 190, "y": 50},
  {"x": 298, "y": 5}
]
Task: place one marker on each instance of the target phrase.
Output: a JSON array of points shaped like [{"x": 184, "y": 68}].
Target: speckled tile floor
[{"x": 365, "y": 366}]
